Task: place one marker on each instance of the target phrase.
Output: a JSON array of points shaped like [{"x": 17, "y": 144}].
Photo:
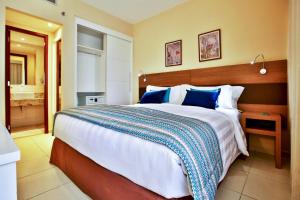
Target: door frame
[
  {"x": 58, "y": 72},
  {"x": 8, "y": 30}
]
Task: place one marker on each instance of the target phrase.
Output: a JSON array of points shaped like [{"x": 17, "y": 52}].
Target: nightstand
[{"x": 268, "y": 124}]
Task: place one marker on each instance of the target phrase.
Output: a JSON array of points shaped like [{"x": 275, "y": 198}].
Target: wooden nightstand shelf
[{"x": 268, "y": 124}]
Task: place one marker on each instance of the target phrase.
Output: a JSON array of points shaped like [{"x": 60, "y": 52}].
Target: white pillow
[
  {"x": 155, "y": 88},
  {"x": 236, "y": 93},
  {"x": 175, "y": 93},
  {"x": 224, "y": 99}
]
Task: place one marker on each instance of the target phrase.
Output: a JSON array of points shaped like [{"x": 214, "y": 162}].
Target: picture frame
[
  {"x": 209, "y": 45},
  {"x": 173, "y": 53}
]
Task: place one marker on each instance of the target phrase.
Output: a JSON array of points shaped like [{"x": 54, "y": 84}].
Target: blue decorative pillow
[
  {"x": 154, "y": 97},
  {"x": 202, "y": 98},
  {"x": 213, "y": 90},
  {"x": 167, "y": 95}
]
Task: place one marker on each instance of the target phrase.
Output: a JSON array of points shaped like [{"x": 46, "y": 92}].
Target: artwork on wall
[
  {"x": 209, "y": 45},
  {"x": 173, "y": 53}
]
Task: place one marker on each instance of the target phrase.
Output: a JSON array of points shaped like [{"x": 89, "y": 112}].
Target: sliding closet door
[{"x": 119, "y": 62}]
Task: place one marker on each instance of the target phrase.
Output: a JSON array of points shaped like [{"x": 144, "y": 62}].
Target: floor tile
[
  {"x": 255, "y": 177},
  {"x": 36, "y": 184},
  {"x": 64, "y": 192},
  {"x": 243, "y": 197},
  {"x": 242, "y": 164},
  {"x": 23, "y": 142},
  {"x": 44, "y": 141},
  {"x": 31, "y": 167},
  {"x": 224, "y": 194},
  {"x": 266, "y": 167},
  {"x": 29, "y": 150},
  {"x": 234, "y": 180},
  {"x": 261, "y": 188},
  {"x": 72, "y": 187},
  {"x": 26, "y": 133}
]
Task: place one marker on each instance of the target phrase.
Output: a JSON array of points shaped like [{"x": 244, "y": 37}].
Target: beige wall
[
  {"x": 51, "y": 12},
  {"x": 39, "y": 66},
  {"x": 247, "y": 28},
  {"x": 30, "y": 69},
  {"x": 294, "y": 90}
]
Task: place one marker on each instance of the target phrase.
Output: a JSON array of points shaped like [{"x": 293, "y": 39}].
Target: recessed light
[
  {"x": 50, "y": 24},
  {"x": 22, "y": 39}
]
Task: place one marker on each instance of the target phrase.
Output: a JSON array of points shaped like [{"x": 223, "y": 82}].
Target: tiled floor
[
  {"x": 27, "y": 128},
  {"x": 250, "y": 179}
]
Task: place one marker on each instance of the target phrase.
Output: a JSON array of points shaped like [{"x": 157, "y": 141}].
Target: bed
[
  {"x": 150, "y": 165},
  {"x": 108, "y": 164}
]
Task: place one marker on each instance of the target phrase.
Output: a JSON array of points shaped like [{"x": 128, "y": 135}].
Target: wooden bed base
[{"x": 96, "y": 181}]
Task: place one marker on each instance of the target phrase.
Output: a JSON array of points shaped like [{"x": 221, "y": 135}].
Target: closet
[
  {"x": 119, "y": 56},
  {"x": 104, "y": 65}
]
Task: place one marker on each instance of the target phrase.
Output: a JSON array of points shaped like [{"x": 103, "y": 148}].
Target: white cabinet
[
  {"x": 104, "y": 64},
  {"x": 119, "y": 65},
  {"x": 9, "y": 155}
]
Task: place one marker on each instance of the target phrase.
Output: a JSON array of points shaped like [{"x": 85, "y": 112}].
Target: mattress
[{"x": 145, "y": 163}]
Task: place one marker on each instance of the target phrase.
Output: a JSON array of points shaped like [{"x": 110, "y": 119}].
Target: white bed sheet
[{"x": 148, "y": 164}]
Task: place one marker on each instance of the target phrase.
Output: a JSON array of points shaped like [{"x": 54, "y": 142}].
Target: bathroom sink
[{"x": 22, "y": 95}]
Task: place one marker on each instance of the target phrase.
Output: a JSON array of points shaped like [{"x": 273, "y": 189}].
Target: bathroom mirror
[
  {"x": 26, "y": 59},
  {"x": 18, "y": 69}
]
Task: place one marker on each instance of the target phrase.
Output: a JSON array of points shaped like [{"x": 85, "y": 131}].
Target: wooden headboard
[{"x": 263, "y": 93}]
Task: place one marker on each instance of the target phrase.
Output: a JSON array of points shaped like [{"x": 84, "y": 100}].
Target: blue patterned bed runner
[{"x": 194, "y": 141}]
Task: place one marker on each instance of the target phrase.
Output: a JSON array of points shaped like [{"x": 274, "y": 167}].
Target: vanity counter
[{"x": 27, "y": 102}]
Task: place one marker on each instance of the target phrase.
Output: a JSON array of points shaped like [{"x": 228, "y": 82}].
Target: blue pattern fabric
[
  {"x": 194, "y": 141},
  {"x": 202, "y": 98},
  {"x": 154, "y": 97}
]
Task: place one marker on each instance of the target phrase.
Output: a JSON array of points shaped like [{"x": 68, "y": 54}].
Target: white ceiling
[
  {"x": 133, "y": 11},
  {"x": 26, "y": 39},
  {"x": 25, "y": 44}
]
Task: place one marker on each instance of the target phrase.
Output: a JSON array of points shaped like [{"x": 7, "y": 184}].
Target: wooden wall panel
[
  {"x": 166, "y": 79},
  {"x": 271, "y": 93},
  {"x": 259, "y": 89},
  {"x": 241, "y": 74}
]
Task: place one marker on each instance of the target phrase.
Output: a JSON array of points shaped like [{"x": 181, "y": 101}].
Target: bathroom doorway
[
  {"x": 26, "y": 80},
  {"x": 31, "y": 72}
]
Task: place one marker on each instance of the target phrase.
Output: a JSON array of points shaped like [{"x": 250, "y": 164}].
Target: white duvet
[{"x": 145, "y": 163}]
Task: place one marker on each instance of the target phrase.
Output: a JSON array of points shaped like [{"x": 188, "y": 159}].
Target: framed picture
[
  {"x": 173, "y": 53},
  {"x": 209, "y": 45}
]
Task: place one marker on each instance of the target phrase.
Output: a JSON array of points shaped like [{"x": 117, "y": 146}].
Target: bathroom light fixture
[
  {"x": 22, "y": 39},
  {"x": 141, "y": 73},
  {"x": 263, "y": 69},
  {"x": 50, "y": 24}
]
